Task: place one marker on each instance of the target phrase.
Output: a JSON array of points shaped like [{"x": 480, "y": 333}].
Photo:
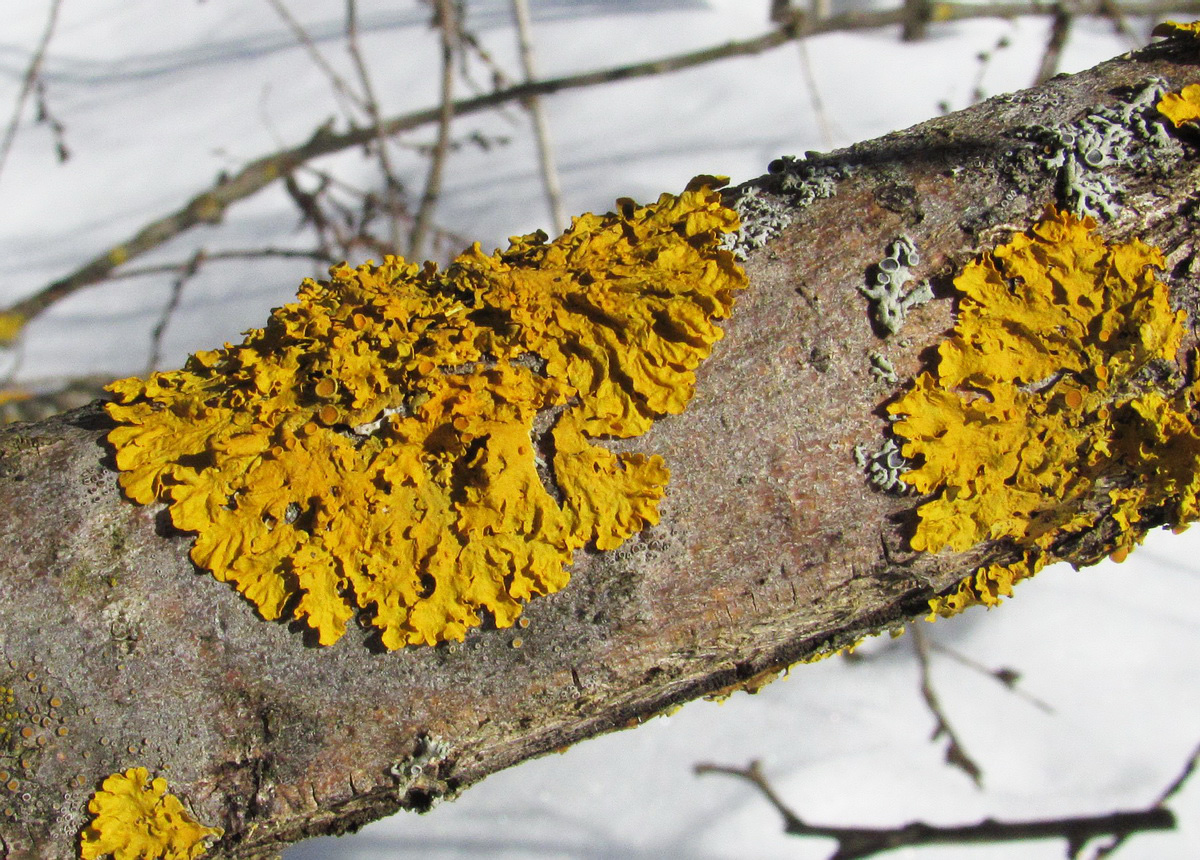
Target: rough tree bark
[{"x": 116, "y": 652}]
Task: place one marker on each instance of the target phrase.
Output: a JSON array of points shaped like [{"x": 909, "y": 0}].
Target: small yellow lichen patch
[
  {"x": 135, "y": 819},
  {"x": 1175, "y": 28},
  {"x": 373, "y": 446},
  {"x": 1181, "y": 107},
  {"x": 986, "y": 586},
  {"x": 1049, "y": 387},
  {"x": 11, "y": 325}
]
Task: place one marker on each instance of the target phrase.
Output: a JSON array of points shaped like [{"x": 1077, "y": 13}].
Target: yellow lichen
[
  {"x": 1176, "y": 28},
  {"x": 1181, "y": 107},
  {"x": 372, "y": 447},
  {"x": 135, "y": 819},
  {"x": 11, "y": 325},
  {"x": 986, "y": 586},
  {"x": 1048, "y": 402}
]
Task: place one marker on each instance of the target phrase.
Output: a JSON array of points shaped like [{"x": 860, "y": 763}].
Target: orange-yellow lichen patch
[
  {"x": 134, "y": 818},
  {"x": 1176, "y": 28},
  {"x": 985, "y": 586},
  {"x": 11, "y": 325},
  {"x": 1181, "y": 107},
  {"x": 1049, "y": 388},
  {"x": 373, "y": 446}
]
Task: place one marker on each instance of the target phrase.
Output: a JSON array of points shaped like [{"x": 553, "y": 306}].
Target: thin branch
[
  {"x": 341, "y": 89},
  {"x": 1189, "y": 768},
  {"x": 469, "y": 43},
  {"x": 317, "y": 254},
  {"x": 814, "y": 95},
  {"x": 46, "y": 117},
  {"x": 447, "y": 22},
  {"x": 1060, "y": 29},
  {"x": 856, "y": 842},
  {"x": 956, "y": 753},
  {"x": 558, "y": 216},
  {"x": 186, "y": 272},
  {"x": 1112, "y": 9},
  {"x": 917, "y": 14},
  {"x": 985, "y": 58},
  {"x": 208, "y": 207},
  {"x": 392, "y": 187},
  {"x": 29, "y": 82},
  {"x": 1006, "y": 677}
]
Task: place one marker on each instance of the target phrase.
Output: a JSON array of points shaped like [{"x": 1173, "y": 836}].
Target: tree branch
[
  {"x": 558, "y": 216},
  {"x": 446, "y": 21},
  {"x": 773, "y": 546},
  {"x": 29, "y": 83},
  {"x": 858, "y": 842}
]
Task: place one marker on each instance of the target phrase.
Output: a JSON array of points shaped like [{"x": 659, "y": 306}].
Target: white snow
[{"x": 159, "y": 98}]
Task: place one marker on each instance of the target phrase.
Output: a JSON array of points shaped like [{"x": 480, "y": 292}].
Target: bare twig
[
  {"x": 341, "y": 89},
  {"x": 1007, "y": 677},
  {"x": 856, "y": 842},
  {"x": 342, "y": 215},
  {"x": 46, "y": 117},
  {"x": 985, "y": 58},
  {"x": 1112, "y": 10},
  {"x": 558, "y": 216},
  {"x": 446, "y": 20},
  {"x": 186, "y": 272},
  {"x": 29, "y": 82},
  {"x": 1060, "y": 29},
  {"x": 471, "y": 43},
  {"x": 814, "y": 95},
  {"x": 208, "y": 206},
  {"x": 393, "y": 189},
  {"x": 917, "y": 14},
  {"x": 318, "y": 254},
  {"x": 956, "y": 753},
  {"x": 1189, "y": 768}
]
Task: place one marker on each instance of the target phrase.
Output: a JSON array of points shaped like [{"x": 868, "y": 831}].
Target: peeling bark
[{"x": 772, "y": 545}]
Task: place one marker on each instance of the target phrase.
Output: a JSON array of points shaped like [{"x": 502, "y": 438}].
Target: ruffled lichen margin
[
  {"x": 1056, "y": 401},
  {"x": 135, "y": 818},
  {"x": 381, "y": 445}
]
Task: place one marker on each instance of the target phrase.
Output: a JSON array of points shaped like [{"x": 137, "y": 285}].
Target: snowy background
[{"x": 157, "y": 98}]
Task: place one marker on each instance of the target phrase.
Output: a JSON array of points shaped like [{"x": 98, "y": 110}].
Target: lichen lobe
[
  {"x": 135, "y": 818},
  {"x": 370, "y": 448}
]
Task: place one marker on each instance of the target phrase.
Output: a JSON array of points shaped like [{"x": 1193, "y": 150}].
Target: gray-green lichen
[
  {"x": 419, "y": 781},
  {"x": 1087, "y": 155},
  {"x": 884, "y": 466},
  {"x": 885, "y": 287},
  {"x": 765, "y": 206},
  {"x": 882, "y": 368}
]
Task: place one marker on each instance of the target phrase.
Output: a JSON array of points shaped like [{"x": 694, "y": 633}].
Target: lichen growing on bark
[
  {"x": 134, "y": 818},
  {"x": 1055, "y": 401},
  {"x": 1181, "y": 107},
  {"x": 373, "y": 446}
]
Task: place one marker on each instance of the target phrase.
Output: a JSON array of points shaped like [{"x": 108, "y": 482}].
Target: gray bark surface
[{"x": 117, "y": 652}]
